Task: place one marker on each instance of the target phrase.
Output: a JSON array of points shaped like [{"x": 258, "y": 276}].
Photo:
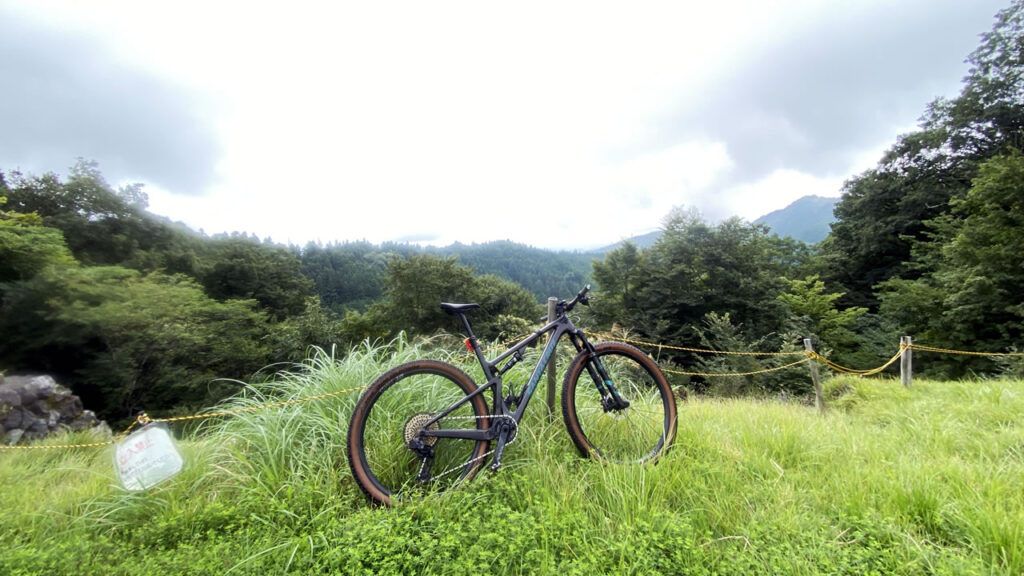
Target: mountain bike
[{"x": 425, "y": 425}]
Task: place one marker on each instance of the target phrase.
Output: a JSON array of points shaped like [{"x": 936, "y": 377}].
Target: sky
[{"x": 566, "y": 125}]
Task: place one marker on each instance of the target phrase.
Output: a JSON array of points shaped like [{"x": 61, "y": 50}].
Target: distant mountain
[
  {"x": 642, "y": 241},
  {"x": 807, "y": 219}
]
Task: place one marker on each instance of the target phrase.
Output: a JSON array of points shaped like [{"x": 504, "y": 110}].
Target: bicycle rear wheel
[
  {"x": 640, "y": 433},
  {"x": 382, "y": 452}
]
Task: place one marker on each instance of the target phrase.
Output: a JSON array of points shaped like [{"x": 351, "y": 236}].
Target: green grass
[{"x": 926, "y": 480}]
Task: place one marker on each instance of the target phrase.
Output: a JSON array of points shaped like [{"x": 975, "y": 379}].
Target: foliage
[
  {"x": 350, "y": 276},
  {"x": 346, "y": 276},
  {"x": 241, "y": 267},
  {"x": 26, "y": 246},
  {"x": 104, "y": 226},
  {"x": 883, "y": 213},
  {"x": 970, "y": 289},
  {"x": 294, "y": 338},
  {"x": 417, "y": 285},
  {"x": 694, "y": 269},
  {"x": 127, "y": 341},
  {"x": 720, "y": 333},
  {"x": 618, "y": 277},
  {"x": 814, "y": 313},
  {"x": 544, "y": 273}
]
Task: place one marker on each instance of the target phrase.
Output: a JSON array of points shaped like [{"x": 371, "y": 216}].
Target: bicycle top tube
[{"x": 490, "y": 367}]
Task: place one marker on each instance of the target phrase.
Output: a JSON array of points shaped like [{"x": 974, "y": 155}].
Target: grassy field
[{"x": 928, "y": 480}]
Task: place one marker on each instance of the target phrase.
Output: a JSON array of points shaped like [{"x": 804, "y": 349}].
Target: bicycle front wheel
[
  {"x": 641, "y": 432},
  {"x": 389, "y": 456}
]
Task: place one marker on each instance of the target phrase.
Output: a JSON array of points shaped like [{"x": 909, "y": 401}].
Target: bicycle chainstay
[{"x": 515, "y": 436}]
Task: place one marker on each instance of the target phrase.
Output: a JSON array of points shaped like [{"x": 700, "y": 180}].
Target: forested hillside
[{"x": 136, "y": 312}]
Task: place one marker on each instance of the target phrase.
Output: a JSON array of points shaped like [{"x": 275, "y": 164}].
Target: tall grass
[{"x": 926, "y": 480}]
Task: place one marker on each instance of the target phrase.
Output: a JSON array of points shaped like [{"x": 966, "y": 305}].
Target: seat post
[
  {"x": 475, "y": 347},
  {"x": 469, "y": 329}
]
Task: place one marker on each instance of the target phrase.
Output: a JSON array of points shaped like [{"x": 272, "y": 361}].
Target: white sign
[{"x": 147, "y": 457}]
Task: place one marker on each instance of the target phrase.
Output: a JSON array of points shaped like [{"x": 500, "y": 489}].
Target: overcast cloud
[
  {"x": 65, "y": 96},
  {"x": 441, "y": 121}
]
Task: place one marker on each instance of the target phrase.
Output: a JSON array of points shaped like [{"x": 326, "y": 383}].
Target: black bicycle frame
[{"x": 560, "y": 327}]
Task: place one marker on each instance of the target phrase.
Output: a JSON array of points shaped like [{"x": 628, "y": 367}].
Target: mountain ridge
[{"x": 806, "y": 219}]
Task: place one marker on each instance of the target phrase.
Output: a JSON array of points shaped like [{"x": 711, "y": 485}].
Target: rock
[
  {"x": 14, "y": 435},
  {"x": 34, "y": 406},
  {"x": 70, "y": 407},
  {"x": 13, "y": 418},
  {"x": 87, "y": 419},
  {"x": 31, "y": 388},
  {"x": 37, "y": 429},
  {"x": 9, "y": 397}
]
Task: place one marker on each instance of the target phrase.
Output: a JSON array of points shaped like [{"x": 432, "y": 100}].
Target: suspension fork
[{"x": 610, "y": 397}]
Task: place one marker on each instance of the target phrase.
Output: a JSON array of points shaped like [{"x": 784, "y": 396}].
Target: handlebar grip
[{"x": 580, "y": 298}]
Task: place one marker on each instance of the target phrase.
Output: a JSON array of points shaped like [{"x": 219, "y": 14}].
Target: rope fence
[
  {"x": 904, "y": 355},
  {"x": 809, "y": 355},
  {"x": 144, "y": 419}
]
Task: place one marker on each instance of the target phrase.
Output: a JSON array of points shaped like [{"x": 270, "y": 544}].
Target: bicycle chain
[{"x": 515, "y": 436}]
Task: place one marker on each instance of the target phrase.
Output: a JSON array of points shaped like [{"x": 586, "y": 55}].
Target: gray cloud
[
  {"x": 64, "y": 96},
  {"x": 816, "y": 99}
]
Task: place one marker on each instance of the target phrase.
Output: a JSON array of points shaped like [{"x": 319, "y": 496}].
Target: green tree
[
  {"x": 241, "y": 267},
  {"x": 704, "y": 285},
  {"x": 127, "y": 341},
  {"x": 346, "y": 276},
  {"x": 883, "y": 213},
  {"x": 417, "y": 285},
  {"x": 719, "y": 332},
  {"x": 26, "y": 247},
  {"x": 618, "y": 277},
  {"x": 544, "y": 273},
  {"x": 969, "y": 294},
  {"x": 814, "y": 312},
  {"x": 292, "y": 339},
  {"x": 734, "y": 268},
  {"x": 103, "y": 226}
]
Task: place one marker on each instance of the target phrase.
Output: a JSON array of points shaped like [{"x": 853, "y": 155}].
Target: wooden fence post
[
  {"x": 819, "y": 396},
  {"x": 550, "y": 393},
  {"x": 906, "y": 361}
]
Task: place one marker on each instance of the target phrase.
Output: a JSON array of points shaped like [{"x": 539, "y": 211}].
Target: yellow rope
[
  {"x": 145, "y": 419},
  {"x": 684, "y": 349},
  {"x": 851, "y": 371},
  {"x": 90, "y": 445},
  {"x": 963, "y": 352},
  {"x": 765, "y": 371},
  {"x": 810, "y": 354}
]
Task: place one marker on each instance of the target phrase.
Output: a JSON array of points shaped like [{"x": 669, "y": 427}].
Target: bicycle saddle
[{"x": 457, "y": 308}]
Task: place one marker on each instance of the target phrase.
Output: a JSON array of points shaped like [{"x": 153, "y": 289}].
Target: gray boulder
[{"x": 35, "y": 406}]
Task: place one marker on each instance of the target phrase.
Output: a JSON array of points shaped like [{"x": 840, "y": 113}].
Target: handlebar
[
  {"x": 563, "y": 307},
  {"x": 580, "y": 298}
]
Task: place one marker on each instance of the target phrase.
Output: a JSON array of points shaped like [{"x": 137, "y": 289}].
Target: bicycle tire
[
  {"x": 641, "y": 433},
  {"x": 379, "y": 455}
]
